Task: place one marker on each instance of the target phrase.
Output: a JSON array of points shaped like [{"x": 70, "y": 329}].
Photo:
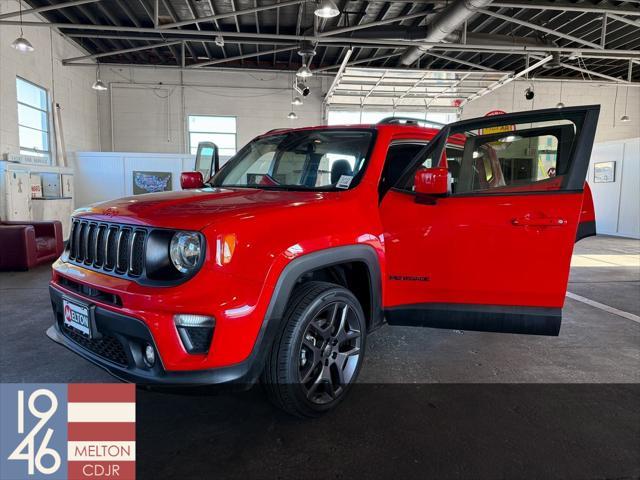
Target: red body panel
[{"x": 468, "y": 247}]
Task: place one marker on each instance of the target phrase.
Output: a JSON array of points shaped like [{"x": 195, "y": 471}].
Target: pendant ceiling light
[
  {"x": 292, "y": 116},
  {"x": 296, "y": 101},
  {"x": 560, "y": 104},
  {"x": 99, "y": 85},
  {"x": 307, "y": 52},
  {"x": 22, "y": 44},
  {"x": 326, "y": 9},
  {"x": 625, "y": 117},
  {"x": 304, "y": 72}
]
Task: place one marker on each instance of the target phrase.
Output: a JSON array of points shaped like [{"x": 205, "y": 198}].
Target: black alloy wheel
[{"x": 318, "y": 355}]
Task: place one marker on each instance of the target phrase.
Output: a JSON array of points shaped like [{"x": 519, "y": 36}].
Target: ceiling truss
[{"x": 587, "y": 40}]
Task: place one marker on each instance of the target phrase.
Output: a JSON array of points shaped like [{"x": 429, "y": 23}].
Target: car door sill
[{"x": 483, "y": 318}]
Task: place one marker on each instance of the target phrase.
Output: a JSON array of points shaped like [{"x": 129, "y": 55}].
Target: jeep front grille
[{"x": 108, "y": 247}]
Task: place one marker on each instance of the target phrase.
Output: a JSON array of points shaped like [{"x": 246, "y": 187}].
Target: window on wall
[
  {"x": 207, "y": 128},
  {"x": 33, "y": 119}
]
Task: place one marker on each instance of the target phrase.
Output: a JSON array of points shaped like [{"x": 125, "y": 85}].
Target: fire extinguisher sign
[{"x": 67, "y": 431}]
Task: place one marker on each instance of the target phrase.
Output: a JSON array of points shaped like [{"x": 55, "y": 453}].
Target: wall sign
[
  {"x": 151, "y": 182},
  {"x": 604, "y": 172}
]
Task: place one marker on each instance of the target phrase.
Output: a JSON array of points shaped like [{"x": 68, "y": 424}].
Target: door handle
[{"x": 528, "y": 221}]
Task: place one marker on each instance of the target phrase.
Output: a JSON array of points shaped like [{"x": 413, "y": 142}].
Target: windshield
[{"x": 299, "y": 160}]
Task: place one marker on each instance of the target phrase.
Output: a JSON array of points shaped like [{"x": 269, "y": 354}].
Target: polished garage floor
[{"x": 432, "y": 402}]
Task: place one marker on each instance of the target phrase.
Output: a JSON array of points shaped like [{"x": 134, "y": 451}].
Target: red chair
[{"x": 23, "y": 245}]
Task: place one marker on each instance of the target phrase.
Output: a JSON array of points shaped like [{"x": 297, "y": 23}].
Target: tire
[{"x": 317, "y": 357}]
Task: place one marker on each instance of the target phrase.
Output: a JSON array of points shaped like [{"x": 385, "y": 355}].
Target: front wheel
[{"x": 319, "y": 352}]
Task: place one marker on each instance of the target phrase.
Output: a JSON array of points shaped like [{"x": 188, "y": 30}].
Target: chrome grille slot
[{"x": 108, "y": 247}]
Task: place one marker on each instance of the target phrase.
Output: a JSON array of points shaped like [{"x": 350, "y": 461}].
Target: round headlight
[{"x": 185, "y": 251}]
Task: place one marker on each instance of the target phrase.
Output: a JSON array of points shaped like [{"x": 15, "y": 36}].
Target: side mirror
[
  {"x": 432, "y": 181},
  {"x": 189, "y": 180},
  {"x": 207, "y": 159}
]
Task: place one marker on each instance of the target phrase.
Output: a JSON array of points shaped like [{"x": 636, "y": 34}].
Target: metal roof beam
[
  {"x": 569, "y": 7},
  {"x": 628, "y": 21},
  {"x": 235, "y": 13},
  {"x": 46, "y": 8},
  {"x": 194, "y": 35},
  {"x": 375, "y": 23},
  {"x": 336, "y": 80},
  {"x": 242, "y": 57},
  {"x": 506, "y": 79},
  {"x": 540, "y": 28},
  {"x": 121, "y": 51},
  {"x": 590, "y": 72}
]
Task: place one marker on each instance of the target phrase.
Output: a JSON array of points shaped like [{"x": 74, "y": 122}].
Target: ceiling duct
[{"x": 443, "y": 24}]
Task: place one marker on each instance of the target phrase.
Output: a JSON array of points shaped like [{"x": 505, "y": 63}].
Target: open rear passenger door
[{"x": 492, "y": 253}]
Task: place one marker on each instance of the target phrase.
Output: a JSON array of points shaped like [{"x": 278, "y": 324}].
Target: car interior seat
[{"x": 339, "y": 168}]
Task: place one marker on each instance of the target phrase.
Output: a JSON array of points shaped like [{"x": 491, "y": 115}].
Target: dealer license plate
[{"x": 77, "y": 317}]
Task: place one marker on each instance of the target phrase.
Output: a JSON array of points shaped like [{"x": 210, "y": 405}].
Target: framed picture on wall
[
  {"x": 604, "y": 172},
  {"x": 151, "y": 182}
]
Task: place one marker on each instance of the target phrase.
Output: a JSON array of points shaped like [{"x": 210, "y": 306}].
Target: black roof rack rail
[{"x": 409, "y": 121}]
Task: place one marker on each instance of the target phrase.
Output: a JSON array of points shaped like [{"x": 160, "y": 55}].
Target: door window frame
[{"x": 585, "y": 119}]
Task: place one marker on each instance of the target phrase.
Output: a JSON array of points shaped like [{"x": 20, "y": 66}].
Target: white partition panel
[
  {"x": 102, "y": 176},
  {"x": 617, "y": 202}
]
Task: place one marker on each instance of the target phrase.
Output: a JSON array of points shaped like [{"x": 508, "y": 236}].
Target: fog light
[
  {"x": 195, "y": 331},
  {"x": 149, "y": 356}
]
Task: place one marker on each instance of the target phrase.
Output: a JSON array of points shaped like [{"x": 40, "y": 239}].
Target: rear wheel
[{"x": 319, "y": 352}]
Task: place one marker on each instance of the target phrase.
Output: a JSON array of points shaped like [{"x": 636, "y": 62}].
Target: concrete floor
[{"x": 431, "y": 402}]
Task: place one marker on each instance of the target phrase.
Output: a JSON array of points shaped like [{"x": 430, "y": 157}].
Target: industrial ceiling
[{"x": 422, "y": 51}]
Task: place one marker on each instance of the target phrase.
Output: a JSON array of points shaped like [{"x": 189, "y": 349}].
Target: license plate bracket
[{"x": 79, "y": 317}]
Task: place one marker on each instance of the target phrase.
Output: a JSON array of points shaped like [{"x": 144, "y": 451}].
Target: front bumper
[{"x": 119, "y": 351}]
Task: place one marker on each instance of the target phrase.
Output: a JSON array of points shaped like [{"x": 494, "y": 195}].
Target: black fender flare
[
  {"x": 322, "y": 259},
  {"x": 272, "y": 321}
]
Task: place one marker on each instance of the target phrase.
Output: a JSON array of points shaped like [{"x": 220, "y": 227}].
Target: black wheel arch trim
[
  {"x": 586, "y": 229},
  {"x": 328, "y": 258}
]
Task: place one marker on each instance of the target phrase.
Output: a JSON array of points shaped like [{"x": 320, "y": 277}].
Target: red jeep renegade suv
[{"x": 308, "y": 239}]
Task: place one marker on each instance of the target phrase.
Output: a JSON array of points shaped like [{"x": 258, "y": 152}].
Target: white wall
[
  {"x": 101, "y": 176},
  {"x": 618, "y": 203},
  {"x": 148, "y": 107},
  {"x": 68, "y": 86}
]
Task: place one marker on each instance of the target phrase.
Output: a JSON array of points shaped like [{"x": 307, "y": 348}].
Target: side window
[
  {"x": 507, "y": 158},
  {"x": 398, "y": 158},
  {"x": 521, "y": 160}
]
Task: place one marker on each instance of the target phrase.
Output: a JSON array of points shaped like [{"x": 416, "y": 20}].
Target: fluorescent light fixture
[{"x": 326, "y": 9}]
